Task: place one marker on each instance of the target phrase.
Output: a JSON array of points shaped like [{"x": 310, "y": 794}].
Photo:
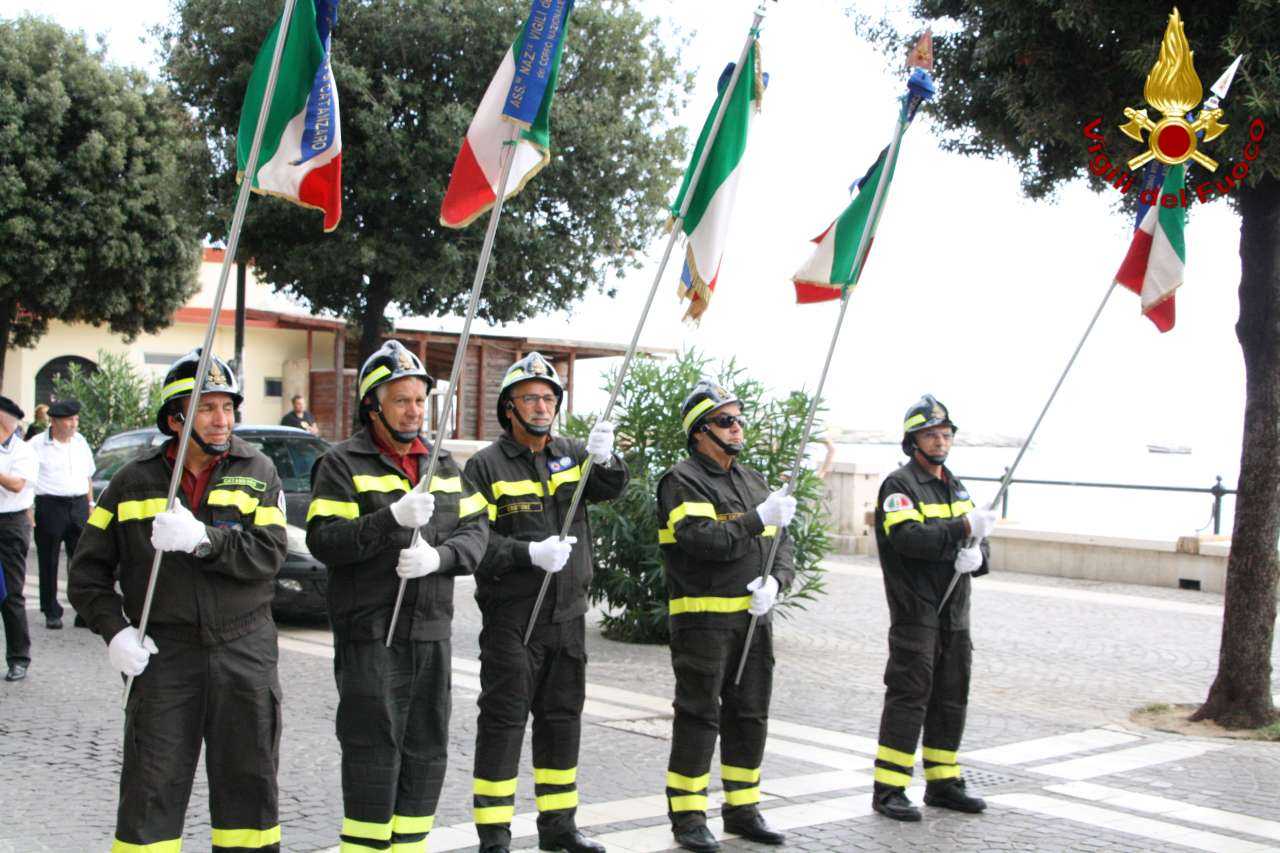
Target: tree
[
  {"x": 113, "y": 398},
  {"x": 98, "y": 171},
  {"x": 1021, "y": 79},
  {"x": 410, "y": 74},
  {"x": 628, "y": 574}
]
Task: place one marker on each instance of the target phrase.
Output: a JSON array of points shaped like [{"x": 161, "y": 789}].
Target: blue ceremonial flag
[{"x": 539, "y": 50}]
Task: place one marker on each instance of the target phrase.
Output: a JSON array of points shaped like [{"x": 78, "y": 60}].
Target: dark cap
[
  {"x": 64, "y": 409},
  {"x": 9, "y": 407}
]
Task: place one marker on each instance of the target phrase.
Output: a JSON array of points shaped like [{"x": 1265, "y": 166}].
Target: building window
[{"x": 273, "y": 387}]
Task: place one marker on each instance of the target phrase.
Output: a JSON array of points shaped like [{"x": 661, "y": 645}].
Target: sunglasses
[{"x": 727, "y": 421}]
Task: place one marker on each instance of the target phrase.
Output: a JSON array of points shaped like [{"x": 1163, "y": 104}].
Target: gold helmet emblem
[
  {"x": 938, "y": 412},
  {"x": 216, "y": 376},
  {"x": 538, "y": 367},
  {"x": 405, "y": 359},
  {"x": 720, "y": 392}
]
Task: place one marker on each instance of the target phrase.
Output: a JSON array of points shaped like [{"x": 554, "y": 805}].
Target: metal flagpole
[
  {"x": 206, "y": 351},
  {"x": 653, "y": 290},
  {"x": 482, "y": 269},
  {"x": 864, "y": 244},
  {"x": 1008, "y": 474}
]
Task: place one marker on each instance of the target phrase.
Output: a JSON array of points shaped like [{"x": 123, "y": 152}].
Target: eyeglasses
[
  {"x": 534, "y": 399},
  {"x": 938, "y": 435},
  {"x": 727, "y": 421}
]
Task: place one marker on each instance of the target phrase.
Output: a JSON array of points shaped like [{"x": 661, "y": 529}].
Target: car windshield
[{"x": 293, "y": 457}]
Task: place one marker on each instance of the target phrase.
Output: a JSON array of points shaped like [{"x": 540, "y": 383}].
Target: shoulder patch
[
  {"x": 564, "y": 463},
  {"x": 961, "y": 494},
  {"x": 897, "y": 501}
]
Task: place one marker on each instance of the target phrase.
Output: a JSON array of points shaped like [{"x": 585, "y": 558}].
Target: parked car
[{"x": 303, "y": 581}]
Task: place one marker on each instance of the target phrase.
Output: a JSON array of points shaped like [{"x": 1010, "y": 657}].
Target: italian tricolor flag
[
  {"x": 1157, "y": 256},
  {"x": 835, "y": 264},
  {"x": 301, "y": 155},
  {"x": 706, "y": 223},
  {"x": 473, "y": 185}
]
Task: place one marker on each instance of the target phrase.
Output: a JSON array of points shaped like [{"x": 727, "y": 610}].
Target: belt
[{"x": 67, "y": 498}]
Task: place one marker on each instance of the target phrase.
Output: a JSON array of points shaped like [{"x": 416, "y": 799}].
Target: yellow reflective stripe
[
  {"x": 492, "y": 788},
  {"x": 247, "y": 838},
  {"x": 769, "y": 530},
  {"x": 739, "y": 774},
  {"x": 960, "y": 508},
  {"x": 140, "y": 510},
  {"x": 515, "y": 488},
  {"x": 176, "y": 387},
  {"x": 707, "y": 604},
  {"x": 936, "y": 510},
  {"x": 472, "y": 504},
  {"x": 666, "y": 537},
  {"x": 342, "y": 509},
  {"x": 570, "y": 475},
  {"x": 697, "y": 509},
  {"x": 902, "y": 759},
  {"x": 493, "y": 512},
  {"x": 941, "y": 756},
  {"x": 689, "y": 803},
  {"x": 383, "y": 483},
  {"x": 366, "y": 829},
  {"x": 742, "y": 796},
  {"x": 100, "y": 518},
  {"x": 900, "y": 515},
  {"x": 696, "y": 412},
  {"x": 555, "y": 802},
  {"x": 446, "y": 485},
  {"x": 942, "y": 771},
  {"x": 889, "y": 777},
  {"x": 551, "y": 776},
  {"x": 913, "y": 420},
  {"x": 419, "y": 846},
  {"x": 242, "y": 501},
  {"x": 687, "y": 783},
  {"x": 268, "y": 515},
  {"x": 493, "y": 814},
  {"x": 374, "y": 375},
  {"x": 406, "y": 825},
  {"x": 171, "y": 846}
]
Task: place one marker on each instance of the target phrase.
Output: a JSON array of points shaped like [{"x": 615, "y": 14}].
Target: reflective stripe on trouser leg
[
  {"x": 698, "y": 660},
  {"x": 948, "y": 705},
  {"x": 559, "y": 661},
  {"x": 504, "y": 707},
  {"x": 908, "y": 679},
  {"x": 424, "y": 746},
  {"x": 744, "y": 718}
]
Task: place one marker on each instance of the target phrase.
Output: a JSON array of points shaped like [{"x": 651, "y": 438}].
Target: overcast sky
[{"x": 972, "y": 293}]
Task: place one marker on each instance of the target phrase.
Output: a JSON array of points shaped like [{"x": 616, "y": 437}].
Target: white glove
[
  {"x": 127, "y": 654},
  {"x": 969, "y": 560},
  {"x": 981, "y": 523},
  {"x": 417, "y": 560},
  {"x": 551, "y": 554},
  {"x": 414, "y": 509},
  {"x": 764, "y": 592},
  {"x": 177, "y": 530},
  {"x": 600, "y": 442},
  {"x": 778, "y": 509}
]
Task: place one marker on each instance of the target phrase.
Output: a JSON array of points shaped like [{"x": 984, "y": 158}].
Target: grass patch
[
  {"x": 1271, "y": 732},
  {"x": 1155, "y": 708}
]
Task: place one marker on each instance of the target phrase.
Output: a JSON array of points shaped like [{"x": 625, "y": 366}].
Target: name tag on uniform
[{"x": 557, "y": 465}]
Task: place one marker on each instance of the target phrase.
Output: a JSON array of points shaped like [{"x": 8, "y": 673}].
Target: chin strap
[
  {"x": 933, "y": 459},
  {"x": 210, "y": 449},
  {"x": 528, "y": 427},
  {"x": 731, "y": 449},
  {"x": 399, "y": 435}
]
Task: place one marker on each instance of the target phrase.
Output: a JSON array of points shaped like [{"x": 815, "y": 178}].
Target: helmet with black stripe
[
  {"x": 925, "y": 413},
  {"x": 180, "y": 383},
  {"x": 389, "y": 362},
  {"x": 706, "y": 397},
  {"x": 532, "y": 366}
]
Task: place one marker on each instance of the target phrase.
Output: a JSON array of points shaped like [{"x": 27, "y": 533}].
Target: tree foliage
[
  {"x": 628, "y": 575},
  {"x": 98, "y": 172},
  {"x": 410, "y": 74},
  {"x": 1021, "y": 79},
  {"x": 113, "y": 398}
]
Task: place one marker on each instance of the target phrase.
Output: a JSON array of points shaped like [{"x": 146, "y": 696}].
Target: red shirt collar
[
  {"x": 193, "y": 485},
  {"x": 408, "y": 463}
]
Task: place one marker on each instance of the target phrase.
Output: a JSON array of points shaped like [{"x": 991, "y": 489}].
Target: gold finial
[{"x": 1173, "y": 87}]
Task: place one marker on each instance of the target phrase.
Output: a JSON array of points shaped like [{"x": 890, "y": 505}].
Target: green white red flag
[{"x": 1154, "y": 265}]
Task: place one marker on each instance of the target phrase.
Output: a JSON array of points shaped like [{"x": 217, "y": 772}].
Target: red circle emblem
[{"x": 1174, "y": 141}]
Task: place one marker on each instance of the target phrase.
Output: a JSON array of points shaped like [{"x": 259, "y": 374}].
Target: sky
[{"x": 973, "y": 293}]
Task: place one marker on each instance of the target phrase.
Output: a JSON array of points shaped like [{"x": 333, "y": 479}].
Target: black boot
[
  {"x": 750, "y": 824},
  {"x": 696, "y": 838},
  {"x": 893, "y": 803},
  {"x": 495, "y": 848},
  {"x": 572, "y": 841},
  {"x": 950, "y": 794}
]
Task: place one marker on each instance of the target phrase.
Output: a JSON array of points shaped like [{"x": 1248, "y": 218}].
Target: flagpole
[
  {"x": 653, "y": 290},
  {"x": 482, "y": 269},
  {"x": 1008, "y": 474},
  {"x": 206, "y": 351},
  {"x": 860, "y": 257}
]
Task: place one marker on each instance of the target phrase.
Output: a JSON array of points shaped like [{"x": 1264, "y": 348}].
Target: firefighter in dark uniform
[
  {"x": 927, "y": 531},
  {"x": 393, "y": 702},
  {"x": 719, "y": 521},
  {"x": 206, "y": 671},
  {"x": 529, "y": 476}
]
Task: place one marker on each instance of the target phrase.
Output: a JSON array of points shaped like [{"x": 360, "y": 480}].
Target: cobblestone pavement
[{"x": 1058, "y": 665}]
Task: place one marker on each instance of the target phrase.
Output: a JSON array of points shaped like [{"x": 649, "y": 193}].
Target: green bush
[
  {"x": 113, "y": 398},
  {"x": 628, "y": 576}
]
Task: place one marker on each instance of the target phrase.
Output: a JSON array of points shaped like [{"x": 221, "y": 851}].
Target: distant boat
[{"x": 1168, "y": 448}]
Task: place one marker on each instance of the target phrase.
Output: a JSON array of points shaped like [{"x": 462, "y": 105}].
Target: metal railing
[{"x": 1217, "y": 490}]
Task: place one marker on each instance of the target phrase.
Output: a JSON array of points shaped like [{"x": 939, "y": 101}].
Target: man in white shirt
[
  {"x": 19, "y": 468},
  {"x": 64, "y": 496}
]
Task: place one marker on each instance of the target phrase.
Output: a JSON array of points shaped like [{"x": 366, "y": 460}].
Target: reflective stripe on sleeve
[
  {"x": 100, "y": 518},
  {"x": 900, "y": 515},
  {"x": 266, "y": 516},
  {"x": 472, "y": 504},
  {"x": 697, "y": 509},
  {"x": 326, "y": 507},
  {"x": 707, "y": 604},
  {"x": 242, "y": 501},
  {"x": 380, "y": 483},
  {"x": 141, "y": 510}
]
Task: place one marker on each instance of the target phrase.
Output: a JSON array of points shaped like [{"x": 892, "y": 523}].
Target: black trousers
[
  {"x": 548, "y": 678},
  {"x": 226, "y": 696},
  {"x": 709, "y": 705},
  {"x": 59, "y": 523},
  {"x": 393, "y": 725},
  {"x": 15, "y": 538},
  {"x": 927, "y": 685}
]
